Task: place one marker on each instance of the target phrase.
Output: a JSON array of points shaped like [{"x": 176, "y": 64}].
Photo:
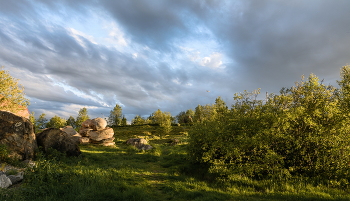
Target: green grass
[{"x": 124, "y": 173}]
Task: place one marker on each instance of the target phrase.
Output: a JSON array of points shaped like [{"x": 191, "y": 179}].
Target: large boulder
[
  {"x": 98, "y": 124},
  {"x": 59, "y": 140},
  {"x": 94, "y": 124},
  {"x": 101, "y": 134},
  {"x": 17, "y": 134}
]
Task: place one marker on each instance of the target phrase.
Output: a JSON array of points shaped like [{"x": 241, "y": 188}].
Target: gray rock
[
  {"x": 17, "y": 134},
  {"x": 16, "y": 178},
  {"x": 139, "y": 143},
  {"x": 5, "y": 182}
]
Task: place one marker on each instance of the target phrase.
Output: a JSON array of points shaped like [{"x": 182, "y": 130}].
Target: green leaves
[
  {"x": 11, "y": 93},
  {"x": 301, "y": 131}
]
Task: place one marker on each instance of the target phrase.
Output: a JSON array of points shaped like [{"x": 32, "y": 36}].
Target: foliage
[
  {"x": 204, "y": 113},
  {"x": 138, "y": 120},
  {"x": 82, "y": 116},
  {"x": 124, "y": 121},
  {"x": 185, "y": 117},
  {"x": 120, "y": 173},
  {"x": 71, "y": 122},
  {"x": 32, "y": 117},
  {"x": 115, "y": 116},
  {"x": 41, "y": 122},
  {"x": 301, "y": 132},
  {"x": 163, "y": 119},
  {"x": 11, "y": 93},
  {"x": 56, "y": 122}
]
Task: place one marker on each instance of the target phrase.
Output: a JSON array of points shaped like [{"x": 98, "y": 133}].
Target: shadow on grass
[{"x": 124, "y": 173}]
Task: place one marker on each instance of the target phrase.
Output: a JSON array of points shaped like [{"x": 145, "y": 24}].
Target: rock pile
[{"x": 94, "y": 131}]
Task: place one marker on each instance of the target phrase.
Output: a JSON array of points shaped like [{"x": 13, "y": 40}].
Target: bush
[{"x": 302, "y": 131}]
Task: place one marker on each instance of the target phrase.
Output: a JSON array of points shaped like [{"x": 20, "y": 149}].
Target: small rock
[
  {"x": 5, "y": 182},
  {"x": 84, "y": 140},
  {"x": 139, "y": 143}
]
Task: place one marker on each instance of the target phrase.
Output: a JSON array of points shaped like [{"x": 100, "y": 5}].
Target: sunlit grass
[{"x": 164, "y": 173}]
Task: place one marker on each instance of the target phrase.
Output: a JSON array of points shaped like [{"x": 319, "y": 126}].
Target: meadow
[{"x": 163, "y": 173}]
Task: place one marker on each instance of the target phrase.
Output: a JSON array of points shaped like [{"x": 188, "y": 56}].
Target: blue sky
[{"x": 161, "y": 54}]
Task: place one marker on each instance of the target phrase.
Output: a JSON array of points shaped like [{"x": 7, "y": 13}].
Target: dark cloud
[{"x": 171, "y": 54}]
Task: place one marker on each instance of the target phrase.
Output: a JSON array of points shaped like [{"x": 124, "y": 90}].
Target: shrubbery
[{"x": 302, "y": 131}]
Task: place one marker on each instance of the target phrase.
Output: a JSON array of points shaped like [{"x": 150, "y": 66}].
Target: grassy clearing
[{"x": 124, "y": 173}]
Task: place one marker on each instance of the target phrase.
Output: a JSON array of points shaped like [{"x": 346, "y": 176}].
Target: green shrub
[{"x": 303, "y": 131}]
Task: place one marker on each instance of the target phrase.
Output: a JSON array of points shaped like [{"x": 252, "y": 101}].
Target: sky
[{"x": 164, "y": 54}]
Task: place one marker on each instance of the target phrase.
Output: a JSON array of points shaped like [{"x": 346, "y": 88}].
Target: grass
[{"x": 125, "y": 173}]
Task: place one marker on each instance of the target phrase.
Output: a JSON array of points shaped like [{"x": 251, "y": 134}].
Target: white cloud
[
  {"x": 115, "y": 35},
  {"x": 213, "y": 61},
  {"x": 77, "y": 34}
]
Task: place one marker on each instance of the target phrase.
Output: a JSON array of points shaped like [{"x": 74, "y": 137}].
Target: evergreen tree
[
  {"x": 115, "y": 116},
  {"x": 124, "y": 121},
  {"x": 11, "y": 93},
  {"x": 71, "y": 122}
]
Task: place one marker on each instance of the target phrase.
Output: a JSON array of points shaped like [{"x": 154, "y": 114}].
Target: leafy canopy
[{"x": 11, "y": 93}]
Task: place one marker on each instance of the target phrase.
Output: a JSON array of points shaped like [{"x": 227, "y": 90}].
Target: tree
[
  {"x": 11, "y": 93},
  {"x": 185, "y": 117},
  {"x": 124, "y": 121},
  {"x": 82, "y": 116},
  {"x": 204, "y": 113},
  {"x": 115, "y": 116},
  {"x": 56, "y": 122},
  {"x": 163, "y": 119},
  {"x": 41, "y": 122},
  {"x": 71, "y": 122},
  {"x": 138, "y": 120},
  {"x": 220, "y": 108},
  {"x": 32, "y": 118}
]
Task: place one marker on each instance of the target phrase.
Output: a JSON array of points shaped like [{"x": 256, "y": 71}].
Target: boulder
[
  {"x": 98, "y": 124},
  {"x": 84, "y": 140},
  {"x": 136, "y": 141},
  {"x": 17, "y": 134},
  {"x": 16, "y": 178},
  {"x": 5, "y": 182},
  {"x": 85, "y": 132},
  {"x": 59, "y": 140},
  {"x": 86, "y": 124},
  {"x": 139, "y": 143},
  {"x": 101, "y": 134},
  {"x": 74, "y": 134},
  {"x": 69, "y": 130}
]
